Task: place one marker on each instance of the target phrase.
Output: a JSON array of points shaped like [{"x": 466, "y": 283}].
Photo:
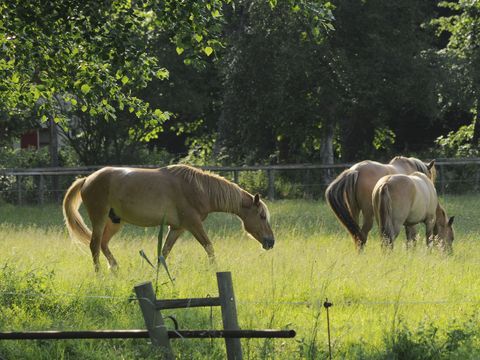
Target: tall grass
[{"x": 401, "y": 305}]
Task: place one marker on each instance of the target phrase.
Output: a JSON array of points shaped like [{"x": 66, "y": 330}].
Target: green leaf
[
  {"x": 125, "y": 79},
  {"x": 208, "y": 50},
  {"x": 198, "y": 37},
  {"x": 162, "y": 74},
  {"x": 180, "y": 50},
  {"x": 85, "y": 88},
  {"x": 84, "y": 108}
]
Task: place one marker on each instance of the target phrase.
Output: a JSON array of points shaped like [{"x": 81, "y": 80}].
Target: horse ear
[
  {"x": 430, "y": 164},
  {"x": 247, "y": 201},
  {"x": 450, "y": 221},
  {"x": 256, "y": 199}
]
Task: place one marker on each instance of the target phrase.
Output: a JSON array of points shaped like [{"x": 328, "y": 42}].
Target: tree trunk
[{"x": 476, "y": 125}]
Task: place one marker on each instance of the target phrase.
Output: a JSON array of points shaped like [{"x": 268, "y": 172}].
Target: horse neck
[
  {"x": 225, "y": 197},
  {"x": 403, "y": 167},
  {"x": 440, "y": 216}
]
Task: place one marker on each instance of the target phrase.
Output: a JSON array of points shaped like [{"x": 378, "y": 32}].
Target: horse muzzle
[{"x": 268, "y": 243}]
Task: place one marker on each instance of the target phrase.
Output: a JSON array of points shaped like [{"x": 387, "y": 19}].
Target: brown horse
[
  {"x": 408, "y": 200},
  {"x": 178, "y": 195},
  {"x": 351, "y": 192}
]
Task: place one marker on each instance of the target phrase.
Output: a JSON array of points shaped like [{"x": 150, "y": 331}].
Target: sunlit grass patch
[{"x": 385, "y": 305}]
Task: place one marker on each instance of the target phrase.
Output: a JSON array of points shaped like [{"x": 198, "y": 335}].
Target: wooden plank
[
  {"x": 153, "y": 319},
  {"x": 229, "y": 314},
  {"x": 143, "y": 334},
  {"x": 186, "y": 303},
  {"x": 87, "y": 334},
  {"x": 79, "y": 170}
]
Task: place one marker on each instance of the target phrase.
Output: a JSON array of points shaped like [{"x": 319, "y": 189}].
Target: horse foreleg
[
  {"x": 110, "y": 230},
  {"x": 199, "y": 233},
  {"x": 411, "y": 234},
  {"x": 429, "y": 225},
  {"x": 172, "y": 236}
]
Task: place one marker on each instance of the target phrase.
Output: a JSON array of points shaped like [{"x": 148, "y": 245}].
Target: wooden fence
[
  {"x": 151, "y": 308},
  {"x": 454, "y": 175}
]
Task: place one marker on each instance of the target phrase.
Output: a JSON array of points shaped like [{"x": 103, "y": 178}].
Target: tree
[
  {"x": 88, "y": 60},
  {"x": 390, "y": 77},
  {"x": 273, "y": 86},
  {"x": 462, "y": 57}
]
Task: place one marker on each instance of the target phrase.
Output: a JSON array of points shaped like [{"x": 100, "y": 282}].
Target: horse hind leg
[
  {"x": 99, "y": 219},
  {"x": 367, "y": 225},
  {"x": 110, "y": 230},
  {"x": 411, "y": 234},
  {"x": 389, "y": 235}
]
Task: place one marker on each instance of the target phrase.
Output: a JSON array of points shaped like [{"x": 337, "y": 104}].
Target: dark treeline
[{"x": 244, "y": 82}]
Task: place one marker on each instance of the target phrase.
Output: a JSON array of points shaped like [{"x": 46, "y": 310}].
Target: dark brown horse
[
  {"x": 408, "y": 200},
  {"x": 350, "y": 194},
  {"x": 179, "y": 195}
]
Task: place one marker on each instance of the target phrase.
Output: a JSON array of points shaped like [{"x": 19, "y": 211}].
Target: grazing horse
[
  {"x": 178, "y": 195},
  {"x": 351, "y": 192},
  {"x": 408, "y": 200}
]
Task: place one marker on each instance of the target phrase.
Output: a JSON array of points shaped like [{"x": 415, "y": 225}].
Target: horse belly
[
  {"x": 147, "y": 211},
  {"x": 417, "y": 213}
]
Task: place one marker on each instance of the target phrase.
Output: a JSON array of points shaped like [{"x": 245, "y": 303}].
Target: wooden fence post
[
  {"x": 229, "y": 314},
  {"x": 271, "y": 184},
  {"x": 153, "y": 319},
  {"x": 19, "y": 190},
  {"x": 442, "y": 179},
  {"x": 41, "y": 190}
]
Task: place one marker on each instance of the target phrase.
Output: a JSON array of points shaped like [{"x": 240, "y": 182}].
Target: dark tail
[{"x": 340, "y": 195}]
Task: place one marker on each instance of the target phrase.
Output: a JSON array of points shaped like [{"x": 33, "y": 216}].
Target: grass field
[{"x": 401, "y": 305}]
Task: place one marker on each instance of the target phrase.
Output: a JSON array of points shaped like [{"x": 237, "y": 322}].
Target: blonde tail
[
  {"x": 77, "y": 228},
  {"x": 383, "y": 213}
]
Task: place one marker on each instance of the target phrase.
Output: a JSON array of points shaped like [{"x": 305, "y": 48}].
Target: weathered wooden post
[
  {"x": 235, "y": 176},
  {"x": 19, "y": 190},
  {"x": 41, "y": 190},
  {"x": 229, "y": 314},
  {"x": 153, "y": 319},
  {"x": 442, "y": 179},
  {"x": 271, "y": 184}
]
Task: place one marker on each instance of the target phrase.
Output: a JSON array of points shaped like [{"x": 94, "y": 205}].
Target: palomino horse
[
  {"x": 351, "y": 192},
  {"x": 178, "y": 195},
  {"x": 408, "y": 200}
]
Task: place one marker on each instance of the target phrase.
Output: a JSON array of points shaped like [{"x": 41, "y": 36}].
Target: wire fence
[{"x": 295, "y": 181}]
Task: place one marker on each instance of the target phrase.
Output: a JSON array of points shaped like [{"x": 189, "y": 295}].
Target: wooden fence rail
[
  {"x": 156, "y": 329},
  {"x": 271, "y": 174}
]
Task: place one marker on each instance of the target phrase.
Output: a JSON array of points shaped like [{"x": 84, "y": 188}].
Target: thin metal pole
[{"x": 328, "y": 304}]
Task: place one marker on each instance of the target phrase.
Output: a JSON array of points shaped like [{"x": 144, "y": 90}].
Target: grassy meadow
[{"x": 411, "y": 304}]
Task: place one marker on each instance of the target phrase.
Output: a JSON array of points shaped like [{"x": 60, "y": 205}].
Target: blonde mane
[
  {"x": 418, "y": 164},
  {"x": 223, "y": 194}
]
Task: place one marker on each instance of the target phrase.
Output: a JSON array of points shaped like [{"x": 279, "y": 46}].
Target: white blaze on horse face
[{"x": 267, "y": 213}]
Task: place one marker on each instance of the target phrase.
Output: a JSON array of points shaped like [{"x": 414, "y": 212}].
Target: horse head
[
  {"x": 256, "y": 220},
  {"x": 443, "y": 230}
]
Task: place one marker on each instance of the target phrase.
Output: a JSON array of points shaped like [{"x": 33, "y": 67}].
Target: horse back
[{"x": 144, "y": 197}]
